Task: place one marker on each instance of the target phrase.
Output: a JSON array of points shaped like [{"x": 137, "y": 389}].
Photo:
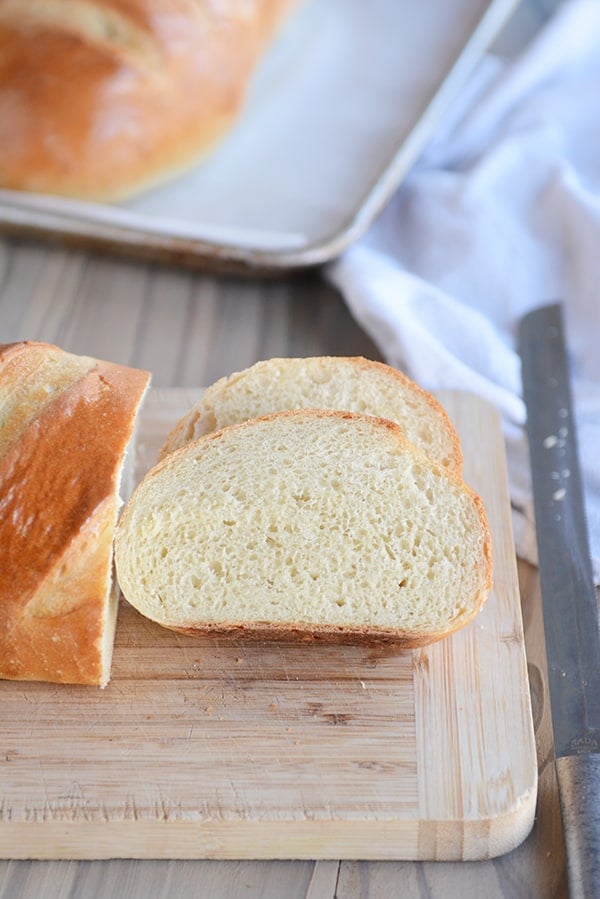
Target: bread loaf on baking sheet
[
  {"x": 344, "y": 383},
  {"x": 305, "y": 525},
  {"x": 65, "y": 424},
  {"x": 100, "y": 99}
]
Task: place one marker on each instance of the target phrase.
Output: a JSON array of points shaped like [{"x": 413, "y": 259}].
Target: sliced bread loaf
[
  {"x": 65, "y": 423},
  {"x": 327, "y": 382},
  {"x": 309, "y": 525}
]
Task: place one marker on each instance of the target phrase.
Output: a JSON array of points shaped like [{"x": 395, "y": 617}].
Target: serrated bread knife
[{"x": 568, "y": 595}]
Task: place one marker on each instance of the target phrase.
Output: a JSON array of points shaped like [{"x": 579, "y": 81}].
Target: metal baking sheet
[{"x": 336, "y": 115}]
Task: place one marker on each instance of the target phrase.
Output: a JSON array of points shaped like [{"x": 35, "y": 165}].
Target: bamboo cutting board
[{"x": 200, "y": 748}]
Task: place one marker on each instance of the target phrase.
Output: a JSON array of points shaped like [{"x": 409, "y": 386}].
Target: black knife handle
[{"x": 579, "y": 791}]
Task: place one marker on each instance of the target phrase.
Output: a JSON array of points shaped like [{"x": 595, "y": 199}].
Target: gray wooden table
[{"x": 190, "y": 329}]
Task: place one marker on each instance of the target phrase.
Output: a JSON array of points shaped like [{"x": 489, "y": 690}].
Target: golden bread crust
[
  {"x": 59, "y": 481},
  {"x": 102, "y": 98}
]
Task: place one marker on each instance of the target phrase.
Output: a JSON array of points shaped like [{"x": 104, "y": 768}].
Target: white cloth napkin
[{"x": 501, "y": 214}]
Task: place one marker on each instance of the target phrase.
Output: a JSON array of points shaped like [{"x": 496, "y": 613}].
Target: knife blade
[{"x": 569, "y": 602}]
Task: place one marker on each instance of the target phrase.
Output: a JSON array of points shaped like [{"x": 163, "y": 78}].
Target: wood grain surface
[{"x": 189, "y": 330}]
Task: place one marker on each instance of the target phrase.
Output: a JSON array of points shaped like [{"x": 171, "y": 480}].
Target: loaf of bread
[
  {"x": 65, "y": 424},
  {"x": 102, "y": 98},
  {"x": 328, "y": 382},
  {"x": 305, "y": 525}
]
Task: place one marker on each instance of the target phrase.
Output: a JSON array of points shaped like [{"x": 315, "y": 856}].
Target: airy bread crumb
[
  {"x": 324, "y": 382},
  {"x": 305, "y": 524}
]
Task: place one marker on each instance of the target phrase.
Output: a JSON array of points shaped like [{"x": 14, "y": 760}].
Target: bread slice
[
  {"x": 65, "y": 423},
  {"x": 349, "y": 384},
  {"x": 309, "y": 525}
]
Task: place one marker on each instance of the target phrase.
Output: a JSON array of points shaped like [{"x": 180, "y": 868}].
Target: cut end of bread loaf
[
  {"x": 340, "y": 383},
  {"x": 65, "y": 425},
  {"x": 305, "y": 525}
]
